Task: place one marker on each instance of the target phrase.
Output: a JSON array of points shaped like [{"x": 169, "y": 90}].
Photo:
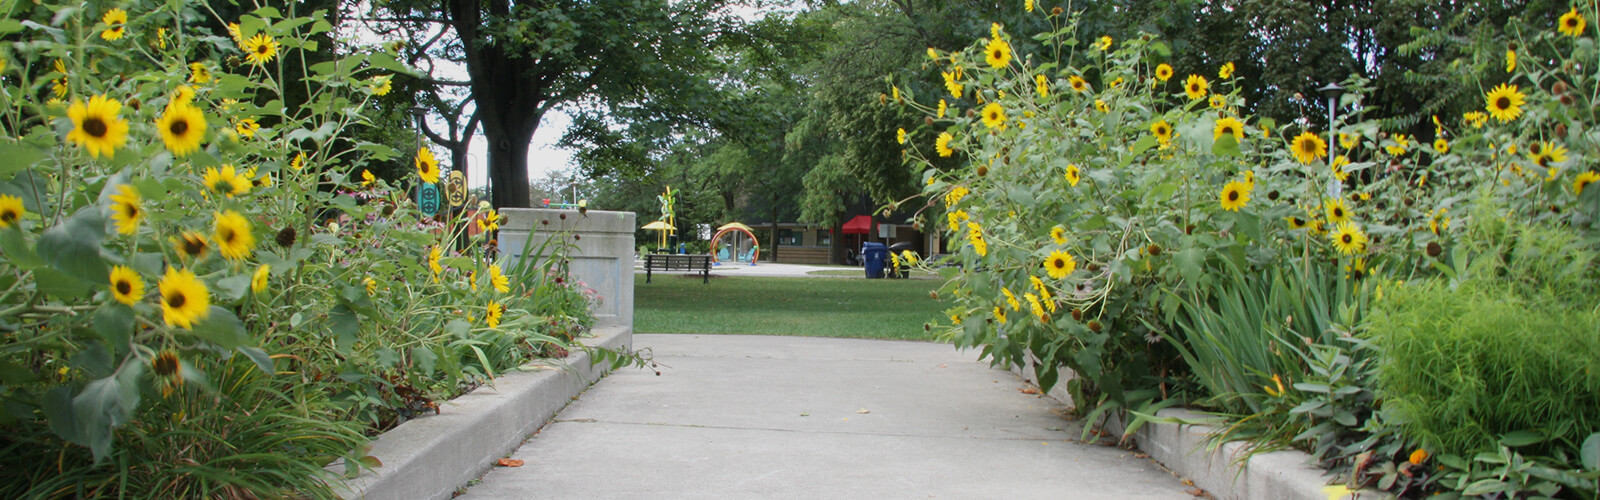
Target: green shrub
[{"x": 1512, "y": 344}]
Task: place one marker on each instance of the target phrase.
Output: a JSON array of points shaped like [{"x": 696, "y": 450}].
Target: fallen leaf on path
[
  {"x": 1028, "y": 390},
  {"x": 1198, "y": 492},
  {"x": 509, "y": 462},
  {"x": 941, "y": 365},
  {"x": 1141, "y": 455},
  {"x": 863, "y": 411}
]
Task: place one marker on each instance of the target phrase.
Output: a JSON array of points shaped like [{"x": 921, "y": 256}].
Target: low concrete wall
[
  {"x": 601, "y": 255},
  {"x": 429, "y": 457}
]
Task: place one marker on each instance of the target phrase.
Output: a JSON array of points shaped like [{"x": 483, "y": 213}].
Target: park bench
[{"x": 678, "y": 262}]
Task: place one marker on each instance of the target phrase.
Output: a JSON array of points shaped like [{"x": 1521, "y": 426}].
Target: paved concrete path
[{"x": 762, "y": 417}]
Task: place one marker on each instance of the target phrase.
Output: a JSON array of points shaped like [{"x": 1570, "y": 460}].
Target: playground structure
[
  {"x": 742, "y": 245},
  {"x": 667, "y": 223}
]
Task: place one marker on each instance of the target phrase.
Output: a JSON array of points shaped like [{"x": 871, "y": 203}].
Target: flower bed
[
  {"x": 207, "y": 293},
  {"x": 1322, "y": 287}
]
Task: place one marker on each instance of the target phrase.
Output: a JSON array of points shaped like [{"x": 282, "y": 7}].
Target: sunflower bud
[
  {"x": 882, "y": 99},
  {"x": 1561, "y": 130},
  {"x": 1095, "y": 326},
  {"x": 1434, "y": 249},
  {"x": 1567, "y": 100},
  {"x": 1077, "y": 314},
  {"x": 983, "y": 170},
  {"x": 972, "y": 113},
  {"x": 285, "y": 237},
  {"x": 1056, "y": 11},
  {"x": 563, "y": 216},
  {"x": 933, "y": 294},
  {"x": 1272, "y": 195},
  {"x": 927, "y": 120},
  {"x": 1154, "y": 250}
]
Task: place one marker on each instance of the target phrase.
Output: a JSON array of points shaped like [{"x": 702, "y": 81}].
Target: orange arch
[{"x": 756, "y": 255}]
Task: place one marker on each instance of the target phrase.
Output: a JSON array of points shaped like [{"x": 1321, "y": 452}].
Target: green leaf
[
  {"x": 104, "y": 405},
  {"x": 1590, "y": 452},
  {"x": 1191, "y": 263},
  {"x": 346, "y": 328},
  {"x": 1143, "y": 144},
  {"x": 1522, "y": 438},
  {"x": 74, "y": 246},
  {"x": 115, "y": 326},
  {"x": 18, "y": 156},
  {"x": 424, "y": 360},
  {"x": 59, "y": 285},
  {"x": 221, "y": 327},
  {"x": 232, "y": 288},
  {"x": 1226, "y": 145},
  {"x": 15, "y": 245},
  {"x": 259, "y": 357}
]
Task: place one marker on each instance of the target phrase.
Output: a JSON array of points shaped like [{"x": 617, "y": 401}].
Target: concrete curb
[
  {"x": 1279, "y": 475},
  {"x": 429, "y": 457}
]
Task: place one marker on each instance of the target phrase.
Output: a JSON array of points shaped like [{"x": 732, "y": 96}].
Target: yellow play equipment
[{"x": 668, "y": 223}]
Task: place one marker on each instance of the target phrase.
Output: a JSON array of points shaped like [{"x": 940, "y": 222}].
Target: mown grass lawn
[{"x": 814, "y": 307}]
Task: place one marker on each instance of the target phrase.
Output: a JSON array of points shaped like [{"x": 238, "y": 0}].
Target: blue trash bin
[{"x": 873, "y": 255}]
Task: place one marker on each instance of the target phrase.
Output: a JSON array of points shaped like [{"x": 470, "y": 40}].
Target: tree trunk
[
  {"x": 836, "y": 244},
  {"x": 774, "y": 223},
  {"x": 510, "y": 101}
]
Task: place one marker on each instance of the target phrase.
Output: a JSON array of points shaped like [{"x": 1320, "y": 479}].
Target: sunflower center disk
[
  {"x": 95, "y": 127},
  {"x": 179, "y": 127},
  {"x": 176, "y": 300},
  {"x": 124, "y": 288}
]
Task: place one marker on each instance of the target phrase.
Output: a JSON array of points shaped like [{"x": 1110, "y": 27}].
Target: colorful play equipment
[
  {"x": 742, "y": 245},
  {"x": 668, "y": 222}
]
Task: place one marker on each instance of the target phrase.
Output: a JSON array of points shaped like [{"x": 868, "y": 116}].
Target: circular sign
[
  {"x": 455, "y": 189},
  {"x": 428, "y": 199}
]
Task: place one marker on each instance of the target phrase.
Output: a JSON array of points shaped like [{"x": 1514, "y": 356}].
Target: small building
[{"x": 800, "y": 243}]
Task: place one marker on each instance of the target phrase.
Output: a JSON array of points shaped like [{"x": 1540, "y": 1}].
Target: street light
[{"x": 1333, "y": 92}]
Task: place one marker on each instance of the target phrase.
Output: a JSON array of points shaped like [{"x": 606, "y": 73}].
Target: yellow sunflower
[
  {"x": 942, "y": 108},
  {"x": 1104, "y": 44},
  {"x": 96, "y": 126},
  {"x": 994, "y": 115},
  {"x": 952, "y": 84},
  {"x": 381, "y": 85},
  {"x": 1571, "y": 23},
  {"x": 1309, "y": 147},
  {"x": 975, "y": 234},
  {"x": 1011, "y": 300},
  {"x": 1337, "y": 166},
  {"x": 1441, "y": 145},
  {"x": 1349, "y": 239},
  {"x": 259, "y": 49},
  {"x": 1228, "y": 126},
  {"x": 232, "y": 234},
  {"x": 126, "y": 285},
  {"x": 1058, "y": 234},
  {"x": 1295, "y": 222},
  {"x": 247, "y": 127},
  {"x": 127, "y": 209},
  {"x": 501, "y": 283},
  {"x": 182, "y": 127},
  {"x": 1059, "y": 264},
  {"x": 1234, "y": 196},
  {"x": 489, "y": 222},
  {"x": 1338, "y": 213},
  {"x": 225, "y": 181},
  {"x": 1073, "y": 175},
  {"x": 1033, "y": 305},
  {"x": 1504, "y": 102},
  {"x": 1163, "y": 132},
  {"x": 116, "y": 21},
  {"x": 198, "y": 73},
  {"x": 1226, "y": 71},
  {"x": 427, "y": 166},
  {"x": 942, "y": 144},
  {"x": 434, "y": 253},
  {"x": 11, "y": 210},
  {"x": 1511, "y": 60},
  {"x": 1475, "y": 118},
  {"x": 1163, "y": 72},
  {"x": 258, "y": 281},
  {"x": 1401, "y": 144},
  {"x": 1195, "y": 87},
  {"x": 298, "y": 162},
  {"x": 191, "y": 244},
  {"x": 371, "y": 285},
  {"x": 1217, "y": 101},
  {"x": 1583, "y": 181},
  {"x": 492, "y": 314},
  {"x": 1000, "y": 315},
  {"x": 184, "y": 299},
  {"x": 1041, "y": 85},
  {"x": 367, "y": 178},
  {"x": 997, "y": 53},
  {"x": 900, "y": 135},
  {"x": 1348, "y": 141}
]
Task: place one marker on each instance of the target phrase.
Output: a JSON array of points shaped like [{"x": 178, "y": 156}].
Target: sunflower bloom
[
  {"x": 900, "y": 135},
  {"x": 1583, "y": 180},
  {"x": 1073, "y": 175},
  {"x": 198, "y": 73},
  {"x": 184, "y": 299},
  {"x": 492, "y": 314},
  {"x": 126, "y": 285},
  {"x": 232, "y": 234},
  {"x": 1234, "y": 196},
  {"x": 434, "y": 253},
  {"x": 1309, "y": 147},
  {"x": 11, "y": 210},
  {"x": 127, "y": 209},
  {"x": 1000, "y": 315},
  {"x": 994, "y": 115},
  {"x": 191, "y": 245},
  {"x": 260, "y": 49},
  {"x": 489, "y": 222},
  {"x": 1226, "y": 71},
  {"x": 501, "y": 283},
  {"x": 1058, "y": 234},
  {"x": 1195, "y": 87},
  {"x": 1504, "y": 102},
  {"x": 1337, "y": 212},
  {"x": 258, "y": 281},
  {"x": 182, "y": 127},
  {"x": 427, "y": 166},
  {"x": 1511, "y": 60},
  {"x": 1163, "y": 133},
  {"x": 1041, "y": 85},
  {"x": 1441, "y": 145},
  {"x": 116, "y": 21},
  {"x": 1571, "y": 23},
  {"x": 1059, "y": 264},
  {"x": 942, "y": 108},
  {"x": 1217, "y": 101},
  {"x": 1078, "y": 84},
  {"x": 1349, "y": 239},
  {"x": 298, "y": 162},
  {"x": 1347, "y": 141},
  {"x": 952, "y": 84},
  {"x": 1337, "y": 166},
  {"x": 997, "y": 53},
  {"x": 1036, "y": 307},
  {"x": 381, "y": 85},
  {"x": 1228, "y": 126},
  {"x": 1104, "y": 44},
  {"x": 247, "y": 127},
  {"x": 96, "y": 126},
  {"x": 367, "y": 178},
  {"x": 975, "y": 234},
  {"x": 1011, "y": 300},
  {"x": 225, "y": 181},
  {"x": 1164, "y": 72},
  {"x": 942, "y": 144}
]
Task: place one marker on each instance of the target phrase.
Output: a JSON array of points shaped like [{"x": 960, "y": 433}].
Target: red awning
[{"x": 861, "y": 224}]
